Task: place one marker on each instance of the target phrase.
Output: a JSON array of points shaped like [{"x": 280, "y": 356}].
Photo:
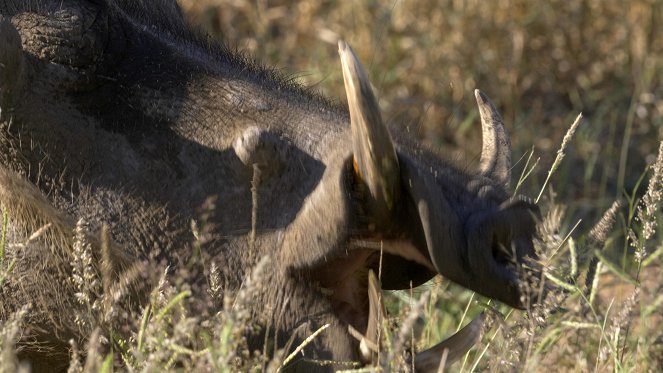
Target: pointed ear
[{"x": 375, "y": 158}]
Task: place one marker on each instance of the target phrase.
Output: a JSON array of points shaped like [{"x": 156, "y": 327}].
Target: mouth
[{"x": 351, "y": 283}]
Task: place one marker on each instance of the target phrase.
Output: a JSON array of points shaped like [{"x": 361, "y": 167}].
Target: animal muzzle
[
  {"x": 501, "y": 254},
  {"x": 491, "y": 251}
]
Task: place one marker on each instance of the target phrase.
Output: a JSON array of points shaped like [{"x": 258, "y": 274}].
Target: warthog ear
[
  {"x": 375, "y": 158},
  {"x": 496, "y": 151}
]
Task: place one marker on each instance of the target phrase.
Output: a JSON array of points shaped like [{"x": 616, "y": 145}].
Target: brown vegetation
[{"x": 543, "y": 63}]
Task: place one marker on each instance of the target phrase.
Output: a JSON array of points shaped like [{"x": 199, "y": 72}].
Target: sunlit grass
[{"x": 542, "y": 62}]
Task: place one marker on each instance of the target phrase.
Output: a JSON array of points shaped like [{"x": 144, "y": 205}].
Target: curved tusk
[
  {"x": 376, "y": 315},
  {"x": 375, "y": 157},
  {"x": 450, "y": 349},
  {"x": 369, "y": 341},
  {"x": 496, "y": 151}
]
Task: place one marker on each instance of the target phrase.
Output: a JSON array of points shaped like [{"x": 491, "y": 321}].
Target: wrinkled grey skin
[{"x": 115, "y": 112}]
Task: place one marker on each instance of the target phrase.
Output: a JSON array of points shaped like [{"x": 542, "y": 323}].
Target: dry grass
[{"x": 542, "y": 63}]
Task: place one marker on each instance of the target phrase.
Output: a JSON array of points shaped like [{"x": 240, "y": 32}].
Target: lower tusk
[
  {"x": 369, "y": 345},
  {"x": 450, "y": 349},
  {"x": 365, "y": 345}
]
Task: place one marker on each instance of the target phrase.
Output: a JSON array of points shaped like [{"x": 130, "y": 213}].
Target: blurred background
[{"x": 541, "y": 62}]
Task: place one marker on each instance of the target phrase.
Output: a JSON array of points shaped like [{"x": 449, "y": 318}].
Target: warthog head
[{"x": 113, "y": 111}]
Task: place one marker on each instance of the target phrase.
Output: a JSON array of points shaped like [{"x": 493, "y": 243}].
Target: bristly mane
[{"x": 168, "y": 19}]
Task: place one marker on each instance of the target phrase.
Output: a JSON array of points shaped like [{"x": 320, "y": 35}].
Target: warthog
[{"x": 116, "y": 113}]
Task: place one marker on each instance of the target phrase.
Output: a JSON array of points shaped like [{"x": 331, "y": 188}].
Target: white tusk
[
  {"x": 495, "y": 160},
  {"x": 450, "y": 349},
  {"x": 374, "y": 153},
  {"x": 369, "y": 342}
]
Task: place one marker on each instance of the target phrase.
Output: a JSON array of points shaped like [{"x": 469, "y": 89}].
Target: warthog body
[{"x": 115, "y": 113}]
